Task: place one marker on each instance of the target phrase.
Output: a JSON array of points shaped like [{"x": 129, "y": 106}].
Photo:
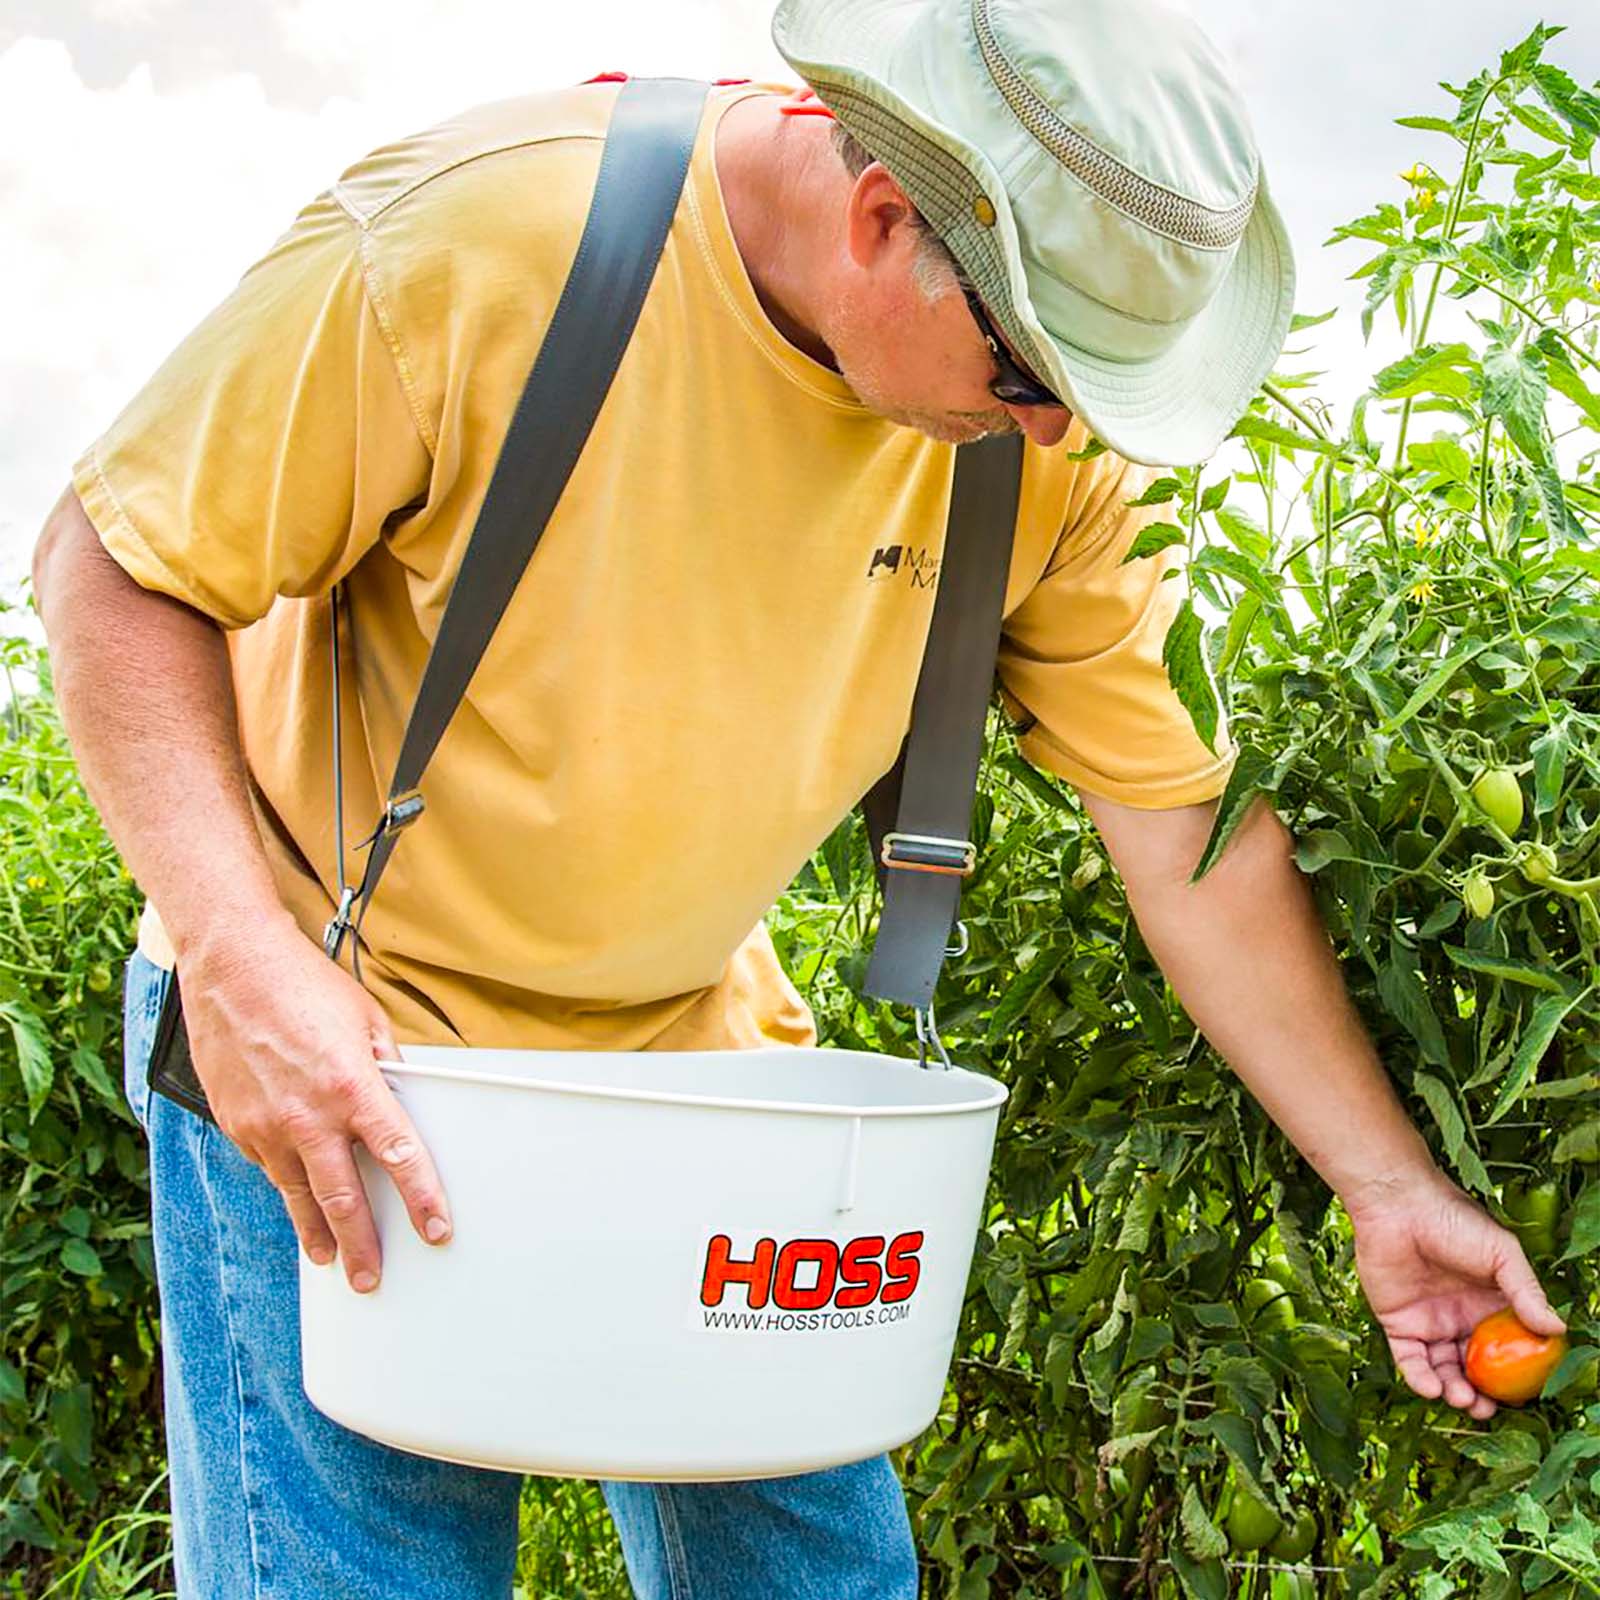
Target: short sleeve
[
  {"x": 266, "y": 453},
  {"x": 1080, "y": 661}
]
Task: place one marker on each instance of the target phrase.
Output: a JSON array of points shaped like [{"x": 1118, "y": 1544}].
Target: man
[{"x": 1065, "y": 231}]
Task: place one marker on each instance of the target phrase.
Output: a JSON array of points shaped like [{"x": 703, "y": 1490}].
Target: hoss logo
[{"x": 868, "y": 1270}]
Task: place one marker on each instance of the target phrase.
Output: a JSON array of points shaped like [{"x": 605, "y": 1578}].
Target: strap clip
[
  {"x": 925, "y": 852},
  {"x": 339, "y": 925},
  {"x": 928, "y": 1034}
]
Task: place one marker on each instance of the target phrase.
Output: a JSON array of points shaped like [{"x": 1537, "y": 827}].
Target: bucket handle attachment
[{"x": 852, "y": 1166}]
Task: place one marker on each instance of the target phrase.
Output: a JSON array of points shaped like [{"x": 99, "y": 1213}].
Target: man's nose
[{"x": 1043, "y": 424}]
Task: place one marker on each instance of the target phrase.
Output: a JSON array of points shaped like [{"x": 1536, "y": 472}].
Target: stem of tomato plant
[{"x": 1448, "y": 233}]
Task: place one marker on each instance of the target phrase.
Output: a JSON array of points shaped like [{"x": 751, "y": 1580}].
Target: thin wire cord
[{"x": 338, "y": 748}]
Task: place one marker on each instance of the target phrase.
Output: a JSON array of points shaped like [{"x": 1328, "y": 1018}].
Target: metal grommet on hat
[{"x": 983, "y": 210}]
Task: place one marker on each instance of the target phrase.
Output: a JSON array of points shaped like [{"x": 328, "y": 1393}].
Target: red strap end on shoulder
[
  {"x": 804, "y": 103},
  {"x": 606, "y": 77},
  {"x": 728, "y": 83}
]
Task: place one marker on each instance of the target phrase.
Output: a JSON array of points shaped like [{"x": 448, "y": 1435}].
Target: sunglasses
[{"x": 1015, "y": 386}]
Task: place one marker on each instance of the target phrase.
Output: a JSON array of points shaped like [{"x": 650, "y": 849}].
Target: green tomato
[
  {"x": 1537, "y": 863},
  {"x": 1500, "y": 797},
  {"x": 1534, "y": 1211},
  {"x": 1477, "y": 894},
  {"x": 1251, "y": 1525},
  {"x": 1295, "y": 1543},
  {"x": 99, "y": 978},
  {"x": 1268, "y": 1305},
  {"x": 1319, "y": 1349}
]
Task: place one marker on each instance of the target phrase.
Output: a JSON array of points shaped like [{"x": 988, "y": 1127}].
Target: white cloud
[{"x": 130, "y": 214}]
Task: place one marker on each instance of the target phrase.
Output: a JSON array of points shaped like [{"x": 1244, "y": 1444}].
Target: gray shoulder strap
[
  {"x": 648, "y": 145},
  {"x": 925, "y": 857}
]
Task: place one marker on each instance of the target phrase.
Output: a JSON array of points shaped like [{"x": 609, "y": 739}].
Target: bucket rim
[{"x": 994, "y": 1093}]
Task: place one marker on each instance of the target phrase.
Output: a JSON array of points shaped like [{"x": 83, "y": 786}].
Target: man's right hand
[{"x": 285, "y": 1044}]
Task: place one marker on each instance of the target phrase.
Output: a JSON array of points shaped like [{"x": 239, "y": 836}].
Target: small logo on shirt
[{"x": 916, "y": 563}]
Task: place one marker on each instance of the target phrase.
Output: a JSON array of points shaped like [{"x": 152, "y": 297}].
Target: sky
[{"x": 150, "y": 150}]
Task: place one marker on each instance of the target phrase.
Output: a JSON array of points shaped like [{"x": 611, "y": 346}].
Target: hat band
[{"x": 1159, "y": 209}]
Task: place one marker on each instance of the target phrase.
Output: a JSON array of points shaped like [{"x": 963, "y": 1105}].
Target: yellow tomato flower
[
  {"x": 1414, "y": 174},
  {"x": 1422, "y": 531},
  {"x": 35, "y": 881},
  {"x": 1421, "y": 591},
  {"x": 1425, "y": 200}
]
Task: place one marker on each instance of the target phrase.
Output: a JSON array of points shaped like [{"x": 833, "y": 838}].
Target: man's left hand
[{"x": 1434, "y": 1265}]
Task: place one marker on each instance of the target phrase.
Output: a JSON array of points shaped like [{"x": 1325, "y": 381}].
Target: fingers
[
  {"x": 1517, "y": 1282},
  {"x": 384, "y": 1128},
  {"x": 310, "y": 1226},
  {"x": 1434, "y": 1371},
  {"x": 337, "y": 1193}
]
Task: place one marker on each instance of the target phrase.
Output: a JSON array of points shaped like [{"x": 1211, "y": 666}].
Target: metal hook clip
[
  {"x": 928, "y": 1033},
  {"x": 960, "y": 947},
  {"x": 339, "y": 926}
]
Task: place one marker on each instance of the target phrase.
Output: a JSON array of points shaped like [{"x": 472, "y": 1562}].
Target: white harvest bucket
[{"x": 691, "y": 1266}]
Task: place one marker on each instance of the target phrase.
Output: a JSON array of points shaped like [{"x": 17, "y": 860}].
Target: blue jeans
[{"x": 273, "y": 1501}]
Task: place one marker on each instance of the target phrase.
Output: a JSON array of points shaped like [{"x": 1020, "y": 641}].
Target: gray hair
[{"x": 936, "y": 270}]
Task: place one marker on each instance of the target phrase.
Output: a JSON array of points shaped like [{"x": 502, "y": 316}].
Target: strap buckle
[
  {"x": 927, "y": 852},
  {"x": 401, "y": 812}
]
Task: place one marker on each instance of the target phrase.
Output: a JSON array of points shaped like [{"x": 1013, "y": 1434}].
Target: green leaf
[
  {"x": 1427, "y": 124},
  {"x": 1541, "y": 1030},
  {"x": 1183, "y": 655},
  {"x": 1403, "y": 993},
  {"x": 1300, "y": 321},
  {"x": 78, "y": 1256},
  {"x": 1507, "y": 967},
  {"x": 12, "y": 1388},
  {"x": 1585, "y": 1224},
  {"x": 1558, "y": 515},
  {"x": 1572, "y": 1366},
  {"x": 1201, "y": 1580},
  {"x": 1549, "y": 768},
  {"x": 1022, "y": 991},
  {"x": 1159, "y": 493},
  {"x": 1581, "y": 1142},
  {"x": 1201, "y": 1536},
  {"x": 1565, "y": 381},
  {"x": 1315, "y": 849},
  {"x": 1436, "y": 680},
  {"x": 33, "y": 1055},
  {"x": 1556, "y": 1472},
  {"x": 88, "y": 1066},
  {"x": 72, "y": 1418},
  {"x": 1329, "y": 1400},
  {"x": 1250, "y": 426},
  {"x": 1434, "y": 369},
  {"x": 1514, "y": 389},
  {"x": 1443, "y": 456},
  {"x": 1453, "y": 1129},
  {"x": 1152, "y": 540},
  {"x": 1234, "y": 806}
]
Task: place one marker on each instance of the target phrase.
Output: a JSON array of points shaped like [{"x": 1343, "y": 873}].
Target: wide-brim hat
[{"x": 1092, "y": 169}]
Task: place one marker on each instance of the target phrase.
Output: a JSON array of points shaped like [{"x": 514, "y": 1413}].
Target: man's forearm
[
  {"x": 146, "y": 697},
  {"x": 1247, "y": 954}
]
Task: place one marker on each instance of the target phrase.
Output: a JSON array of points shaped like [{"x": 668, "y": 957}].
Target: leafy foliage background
[{"x": 1164, "y": 1328}]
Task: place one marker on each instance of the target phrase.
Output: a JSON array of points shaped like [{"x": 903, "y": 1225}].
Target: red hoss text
[{"x": 856, "y": 1274}]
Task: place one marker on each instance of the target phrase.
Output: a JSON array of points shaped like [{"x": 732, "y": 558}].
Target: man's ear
[{"x": 879, "y": 218}]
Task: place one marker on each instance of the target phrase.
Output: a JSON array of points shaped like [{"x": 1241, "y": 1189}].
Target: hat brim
[{"x": 1169, "y": 409}]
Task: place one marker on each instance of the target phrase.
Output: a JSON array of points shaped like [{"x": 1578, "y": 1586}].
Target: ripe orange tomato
[{"x": 1507, "y": 1362}]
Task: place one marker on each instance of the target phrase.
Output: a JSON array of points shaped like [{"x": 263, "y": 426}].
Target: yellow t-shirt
[{"x": 704, "y": 666}]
